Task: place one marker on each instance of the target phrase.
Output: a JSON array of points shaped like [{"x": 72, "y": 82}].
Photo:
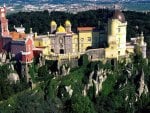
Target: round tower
[
  {"x": 117, "y": 31},
  {"x": 143, "y": 45},
  {"x": 112, "y": 27},
  {"x": 53, "y": 26},
  {"x": 61, "y": 29},
  {"x": 4, "y": 22},
  {"x": 68, "y": 26}
]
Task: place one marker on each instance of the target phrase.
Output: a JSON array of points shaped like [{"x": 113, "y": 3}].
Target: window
[
  {"x": 61, "y": 51},
  {"x": 52, "y": 50},
  {"x": 118, "y": 52},
  {"x": 75, "y": 40},
  {"x": 89, "y": 39},
  {"x": 119, "y": 42},
  {"x": 119, "y": 30},
  {"x": 61, "y": 40},
  {"x": 82, "y": 39}
]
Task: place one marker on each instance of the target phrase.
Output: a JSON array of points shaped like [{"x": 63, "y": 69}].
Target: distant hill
[{"x": 70, "y": 1}]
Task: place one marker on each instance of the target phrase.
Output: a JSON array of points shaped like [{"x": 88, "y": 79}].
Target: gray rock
[
  {"x": 13, "y": 77},
  {"x": 143, "y": 87}
]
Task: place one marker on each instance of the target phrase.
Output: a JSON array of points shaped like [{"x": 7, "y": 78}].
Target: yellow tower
[
  {"x": 116, "y": 35},
  {"x": 85, "y": 38},
  {"x": 53, "y": 26},
  {"x": 68, "y": 26},
  {"x": 61, "y": 29}
]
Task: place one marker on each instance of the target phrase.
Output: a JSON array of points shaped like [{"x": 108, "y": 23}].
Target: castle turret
[
  {"x": 117, "y": 34},
  {"x": 61, "y": 29},
  {"x": 142, "y": 39},
  {"x": 68, "y": 26},
  {"x": 4, "y": 22},
  {"x": 143, "y": 45},
  {"x": 53, "y": 26}
]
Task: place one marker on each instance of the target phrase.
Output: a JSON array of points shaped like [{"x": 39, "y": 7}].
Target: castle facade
[{"x": 62, "y": 43}]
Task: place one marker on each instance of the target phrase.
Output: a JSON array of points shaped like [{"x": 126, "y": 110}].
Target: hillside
[
  {"x": 106, "y": 86},
  {"x": 123, "y": 88}
]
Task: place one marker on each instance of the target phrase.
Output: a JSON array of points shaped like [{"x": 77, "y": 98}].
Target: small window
[
  {"x": 52, "y": 50},
  {"x": 118, "y": 52},
  {"x": 76, "y": 40},
  {"x": 61, "y": 40},
  {"x": 119, "y": 30},
  {"x": 89, "y": 39},
  {"x": 62, "y": 51}
]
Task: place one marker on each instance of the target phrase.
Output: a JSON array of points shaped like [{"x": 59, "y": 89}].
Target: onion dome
[
  {"x": 53, "y": 23},
  {"x": 119, "y": 15},
  {"x": 67, "y": 23},
  {"x": 61, "y": 29}
]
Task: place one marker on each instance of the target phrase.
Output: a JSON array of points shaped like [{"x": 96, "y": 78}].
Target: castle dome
[
  {"x": 67, "y": 23},
  {"x": 61, "y": 29},
  {"x": 119, "y": 15},
  {"x": 53, "y": 23}
]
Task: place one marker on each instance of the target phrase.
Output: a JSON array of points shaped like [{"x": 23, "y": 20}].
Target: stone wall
[
  {"x": 95, "y": 54},
  {"x": 72, "y": 62}
]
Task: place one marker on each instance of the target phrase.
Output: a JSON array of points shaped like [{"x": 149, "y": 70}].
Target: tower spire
[{"x": 4, "y": 22}]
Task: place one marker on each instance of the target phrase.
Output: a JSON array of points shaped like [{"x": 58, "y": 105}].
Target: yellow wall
[
  {"x": 46, "y": 51},
  {"x": 130, "y": 50},
  {"x": 85, "y": 40},
  {"x": 43, "y": 42},
  {"x": 116, "y": 38},
  {"x": 112, "y": 50},
  {"x": 75, "y": 43},
  {"x": 122, "y": 38}
]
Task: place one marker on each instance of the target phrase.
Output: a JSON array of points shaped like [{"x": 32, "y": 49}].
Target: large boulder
[
  {"x": 13, "y": 77},
  {"x": 142, "y": 86},
  {"x": 96, "y": 79}
]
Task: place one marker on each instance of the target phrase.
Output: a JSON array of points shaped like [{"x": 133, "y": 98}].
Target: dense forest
[
  {"x": 40, "y": 21},
  {"x": 119, "y": 92},
  {"x": 91, "y": 87}
]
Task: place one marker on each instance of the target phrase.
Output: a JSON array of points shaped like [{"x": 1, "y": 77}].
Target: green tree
[{"x": 81, "y": 104}]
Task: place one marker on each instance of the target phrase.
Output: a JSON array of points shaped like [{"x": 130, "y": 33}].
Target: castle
[{"x": 62, "y": 43}]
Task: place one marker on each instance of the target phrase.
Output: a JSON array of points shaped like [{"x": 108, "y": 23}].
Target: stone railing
[{"x": 62, "y": 56}]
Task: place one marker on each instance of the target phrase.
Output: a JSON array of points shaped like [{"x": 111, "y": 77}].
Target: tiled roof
[
  {"x": 85, "y": 28},
  {"x": 16, "y": 35}
]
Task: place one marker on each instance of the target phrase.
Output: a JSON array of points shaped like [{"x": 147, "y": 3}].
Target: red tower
[{"x": 4, "y": 22}]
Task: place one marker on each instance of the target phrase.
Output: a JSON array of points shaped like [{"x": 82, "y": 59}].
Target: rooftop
[
  {"x": 85, "y": 28},
  {"x": 15, "y": 35}
]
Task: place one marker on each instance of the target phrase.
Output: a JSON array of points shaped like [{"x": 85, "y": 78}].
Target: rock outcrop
[
  {"x": 13, "y": 78},
  {"x": 142, "y": 86},
  {"x": 41, "y": 60},
  {"x": 96, "y": 79},
  {"x": 64, "y": 70},
  {"x": 69, "y": 90}
]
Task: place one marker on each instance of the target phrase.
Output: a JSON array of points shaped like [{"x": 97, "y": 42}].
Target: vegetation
[
  {"x": 8, "y": 88},
  {"x": 119, "y": 91},
  {"x": 116, "y": 96}
]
